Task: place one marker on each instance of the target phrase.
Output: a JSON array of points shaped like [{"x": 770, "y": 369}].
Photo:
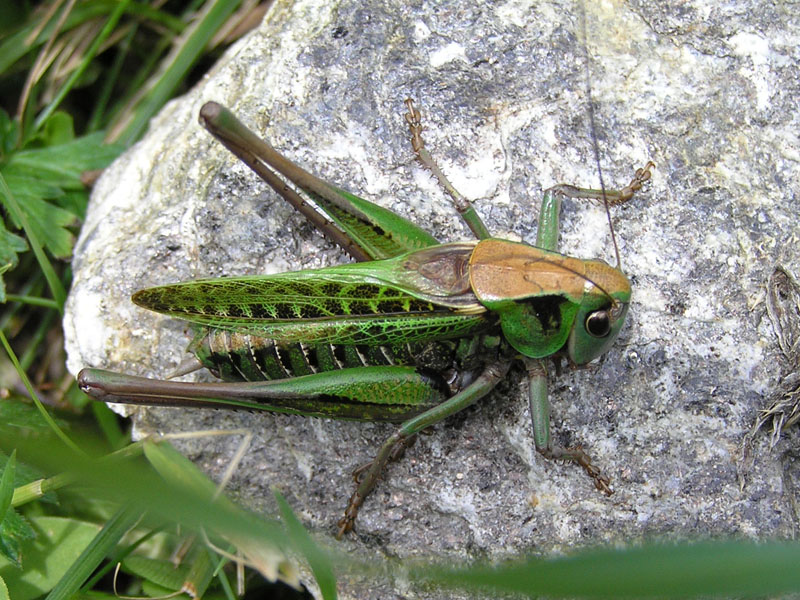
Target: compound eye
[{"x": 598, "y": 324}]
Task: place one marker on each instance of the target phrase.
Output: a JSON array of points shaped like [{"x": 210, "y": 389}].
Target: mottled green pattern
[
  {"x": 370, "y": 331},
  {"x": 338, "y": 305},
  {"x": 366, "y": 394},
  {"x": 384, "y": 235},
  {"x": 279, "y": 297}
]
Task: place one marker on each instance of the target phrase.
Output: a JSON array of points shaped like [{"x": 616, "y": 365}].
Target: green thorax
[{"x": 544, "y": 298}]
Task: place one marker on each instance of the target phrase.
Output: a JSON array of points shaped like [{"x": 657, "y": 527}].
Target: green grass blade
[
  {"x": 109, "y": 426},
  {"x": 177, "y": 469},
  {"x": 121, "y": 552},
  {"x": 179, "y": 64},
  {"x": 33, "y": 301},
  {"x": 225, "y": 584},
  {"x": 99, "y": 115},
  {"x": 16, "y": 46},
  {"x": 34, "y": 396},
  {"x": 37, "y": 338},
  {"x": 720, "y": 569},
  {"x": 107, "y": 30},
  {"x": 318, "y": 559}
]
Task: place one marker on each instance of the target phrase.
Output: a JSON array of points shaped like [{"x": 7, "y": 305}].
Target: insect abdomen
[{"x": 240, "y": 357}]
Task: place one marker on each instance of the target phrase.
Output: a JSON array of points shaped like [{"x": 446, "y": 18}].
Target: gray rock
[{"x": 709, "y": 94}]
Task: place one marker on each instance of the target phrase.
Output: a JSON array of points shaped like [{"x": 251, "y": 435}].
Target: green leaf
[
  {"x": 200, "y": 573},
  {"x": 19, "y": 418},
  {"x": 25, "y": 184},
  {"x": 38, "y": 176},
  {"x": 192, "y": 576},
  {"x": 13, "y": 528},
  {"x": 10, "y": 247},
  {"x": 47, "y": 221},
  {"x": 4, "y": 590},
  {"x": 14, "y": 532},
  {"x": 177, "y": 469},
  {"x": 58, "y": 129},
  {"x": 44, "y": 180},
  {"x": 24, "y": 473},
  {"x": 62, "y": 164},
  {"x": 48, "y": 557},
  {"x": 53, "y": 281},
  {"x": 161, "y": 572},
  {"x": 318, "y": 559},
  {"x": 7, "y": 484},
  {"x": 74, "y": 202},
  {"x": 153, "y": 590}
]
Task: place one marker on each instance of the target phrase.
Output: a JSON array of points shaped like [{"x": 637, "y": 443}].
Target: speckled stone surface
[{"x": 708, "y": 94}]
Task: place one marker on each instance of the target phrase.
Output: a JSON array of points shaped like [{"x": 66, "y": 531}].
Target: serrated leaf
[
  {"x": 7, "y": 484},
  {"x": 74, "y": 202},
  {"x": 14, "y": 531},
  {"x": 48, "y": 223},
  {"x": 9, "y": 549},
  {"x": 10, "y": 247},
  {"x": 48, "y": 557},
  {"x": 24, "y": 183},
  {"x": 63, "y": 164},
  {"x": 4, "y": 590},
  {"x": 40, "y": 178}
]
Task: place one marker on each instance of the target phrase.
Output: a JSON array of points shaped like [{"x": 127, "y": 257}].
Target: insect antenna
[
  {"x": 580, "y": 275},
  {"x": 593, "y": 127}
]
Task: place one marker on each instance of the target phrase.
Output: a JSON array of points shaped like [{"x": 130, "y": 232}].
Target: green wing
[
  {"x": 410, "y": 298},
  {"x": 378, "y": 231}
]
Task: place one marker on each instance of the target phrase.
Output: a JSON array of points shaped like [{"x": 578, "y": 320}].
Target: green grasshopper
[{"x": 414, "y": 332}]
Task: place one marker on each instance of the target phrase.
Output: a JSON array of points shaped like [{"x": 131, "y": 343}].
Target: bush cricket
[{"x": 412, "y": 332}]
